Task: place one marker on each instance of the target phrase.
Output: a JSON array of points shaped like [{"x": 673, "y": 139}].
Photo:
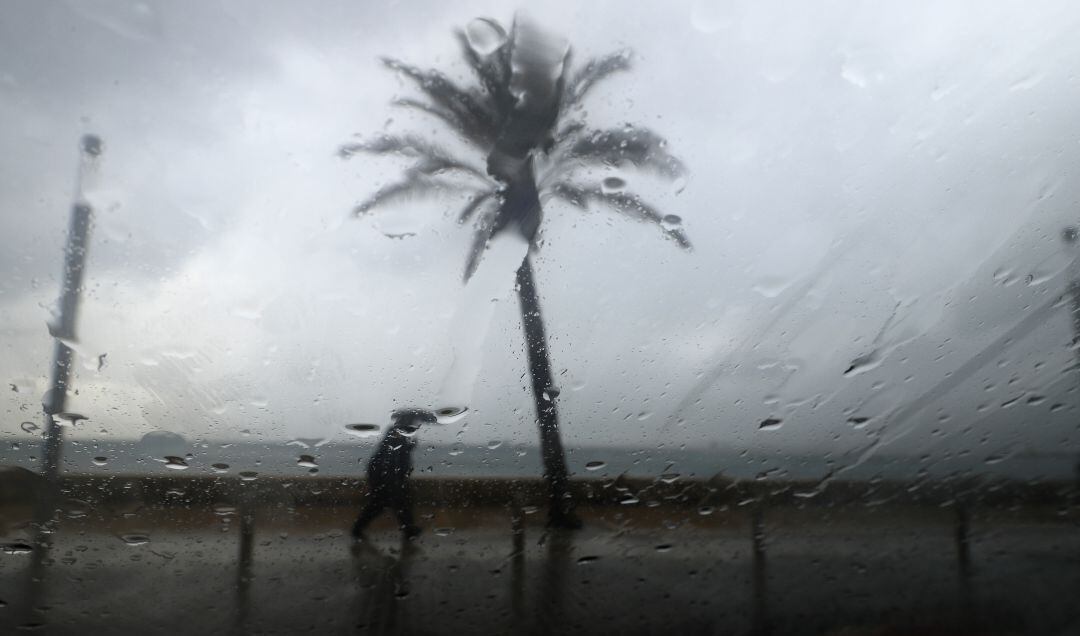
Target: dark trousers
[{"x": 397, "y": 496}]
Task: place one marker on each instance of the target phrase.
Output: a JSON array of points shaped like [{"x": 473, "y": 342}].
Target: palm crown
[{"x": 523, "y": 115}]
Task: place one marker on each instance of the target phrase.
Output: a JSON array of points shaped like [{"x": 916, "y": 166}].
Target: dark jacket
[{"x": 392, "y": 461}]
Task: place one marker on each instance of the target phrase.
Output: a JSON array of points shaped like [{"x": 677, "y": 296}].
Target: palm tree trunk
[{"x": 561, "y": 508}]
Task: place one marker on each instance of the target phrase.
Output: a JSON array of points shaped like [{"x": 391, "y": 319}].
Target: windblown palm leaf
[{"x": 519, "y": 109}]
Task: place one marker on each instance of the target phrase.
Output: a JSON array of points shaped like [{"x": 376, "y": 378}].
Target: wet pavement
[{"x": 630, "y": 571}]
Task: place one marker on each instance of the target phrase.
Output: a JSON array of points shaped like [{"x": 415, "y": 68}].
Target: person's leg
[
  {"x": 403, "y": 507},
  {"x": 376, "y": 501}
]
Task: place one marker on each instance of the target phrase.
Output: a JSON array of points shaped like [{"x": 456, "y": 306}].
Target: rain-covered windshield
[{"x": 714, "y": 317}]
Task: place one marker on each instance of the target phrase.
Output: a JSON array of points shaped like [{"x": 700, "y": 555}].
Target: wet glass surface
[{"x": 705, "y": 317}]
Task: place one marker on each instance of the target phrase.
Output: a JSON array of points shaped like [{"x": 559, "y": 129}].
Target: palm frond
[
  {"x": 485, "y": 227},
  {"x": 407, "y": 145},
  {"x": 431, "y": 159},
  {"x": 447, "y": 117},
  {"x": 470, "y": 118},
  {"x": 417, "y": 182},
  {"x": 593, "y": 72},
  {"x": 493, "y": 72},
  {"x": 475, "y": 202},
  {"x": 624, "y": 203},
  {"x": 615, "y": 146}
]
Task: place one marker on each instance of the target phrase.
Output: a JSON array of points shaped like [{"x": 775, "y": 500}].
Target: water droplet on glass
[
  {"x": 248, "y": 475},
  {"x": 444, "y": 532},
  {"x": 29, "y": 427},
  {"x": 307, "y": 461},
  {"x": 100, "y": 461},
  {"x": 135, "y": 538},
  {"x": 220, "y": 467},
  {"x": 612, "y": 184},
  {"x": 770, "y": 424},
  {"x": 18, "y": 548},
  {"x": 71, "y": 418},
  {"x": 587, "y": 559},
  {"x": 595, "y": 465},
  {"x": 705, "y": 511},
  {"x": 484, "y": 36},
  {"x": 362, "y": 430},
  {"x": 771, "y": 286},
  {"x": 175, "y": 463},
  {"x": 663, "y": 547},
  {"x": 865, "y": 363},
  {"x": 671, "y": 222},
  {"x": 669, "y": 478},
  {"x": 493, "y": 444},
  {"x": 858, "y": 421},
  {"x": 450, "y": 414}
]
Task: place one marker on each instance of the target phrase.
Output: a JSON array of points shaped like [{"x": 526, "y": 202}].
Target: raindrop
[
  {"x": 587, "y": 559},
  {"x": 669, "y": 478},
  {"x": 450, "y": 414},
  {"x": 671, "y": 222},
  {"x": 71, "y": 418},
  {"x": 100, "y": 461},
  {"x": 307, "y": 461},
  {"x": 705, "y": 511},
  {"x": 175, "y": 463},
  {"x": 29, "y": 427},
  {"x": 771, "y": 286},
  {"x": 663, "y": 547},
  {"x": 612, "y": 184},
  {"x": 220, "y": 467},
  {"x": 308, "y": 442},
  {"x": 864, "y": 363},
  {"x": 595, "y": 465},
  {"x": 630, "y": 500},
  {"x": 362, "y": 430},
  {"x": 135, "y": 538},
  {"x": 485, "y": 36},
  {"x": 493, "y": 444},
  {"x": 1036, "y": 399},
  {"x": 18, "y": 548},
  {"x": 858, "y": 422},
  {"x": 770, "y": 424},
  {"x": 248, "y": 475},
  {"x": 444, "y": 532}
]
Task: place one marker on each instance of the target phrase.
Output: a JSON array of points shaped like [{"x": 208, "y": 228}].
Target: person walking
[{"x": 388, "y": 473}]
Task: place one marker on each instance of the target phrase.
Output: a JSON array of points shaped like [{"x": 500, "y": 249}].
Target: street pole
[{"x": 62, "y": 329}]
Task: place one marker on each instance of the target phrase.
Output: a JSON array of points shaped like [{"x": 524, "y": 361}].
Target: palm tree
[{"x": 523, "y": 121}]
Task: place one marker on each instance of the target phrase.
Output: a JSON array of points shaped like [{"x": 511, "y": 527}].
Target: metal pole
[{"x": 63, "y": 330}]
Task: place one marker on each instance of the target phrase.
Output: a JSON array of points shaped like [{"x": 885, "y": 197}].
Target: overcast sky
[{"x": 878, "y": 182}]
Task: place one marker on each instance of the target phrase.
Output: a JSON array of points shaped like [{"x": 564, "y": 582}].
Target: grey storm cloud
[{"x": 875, "y": 199}]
